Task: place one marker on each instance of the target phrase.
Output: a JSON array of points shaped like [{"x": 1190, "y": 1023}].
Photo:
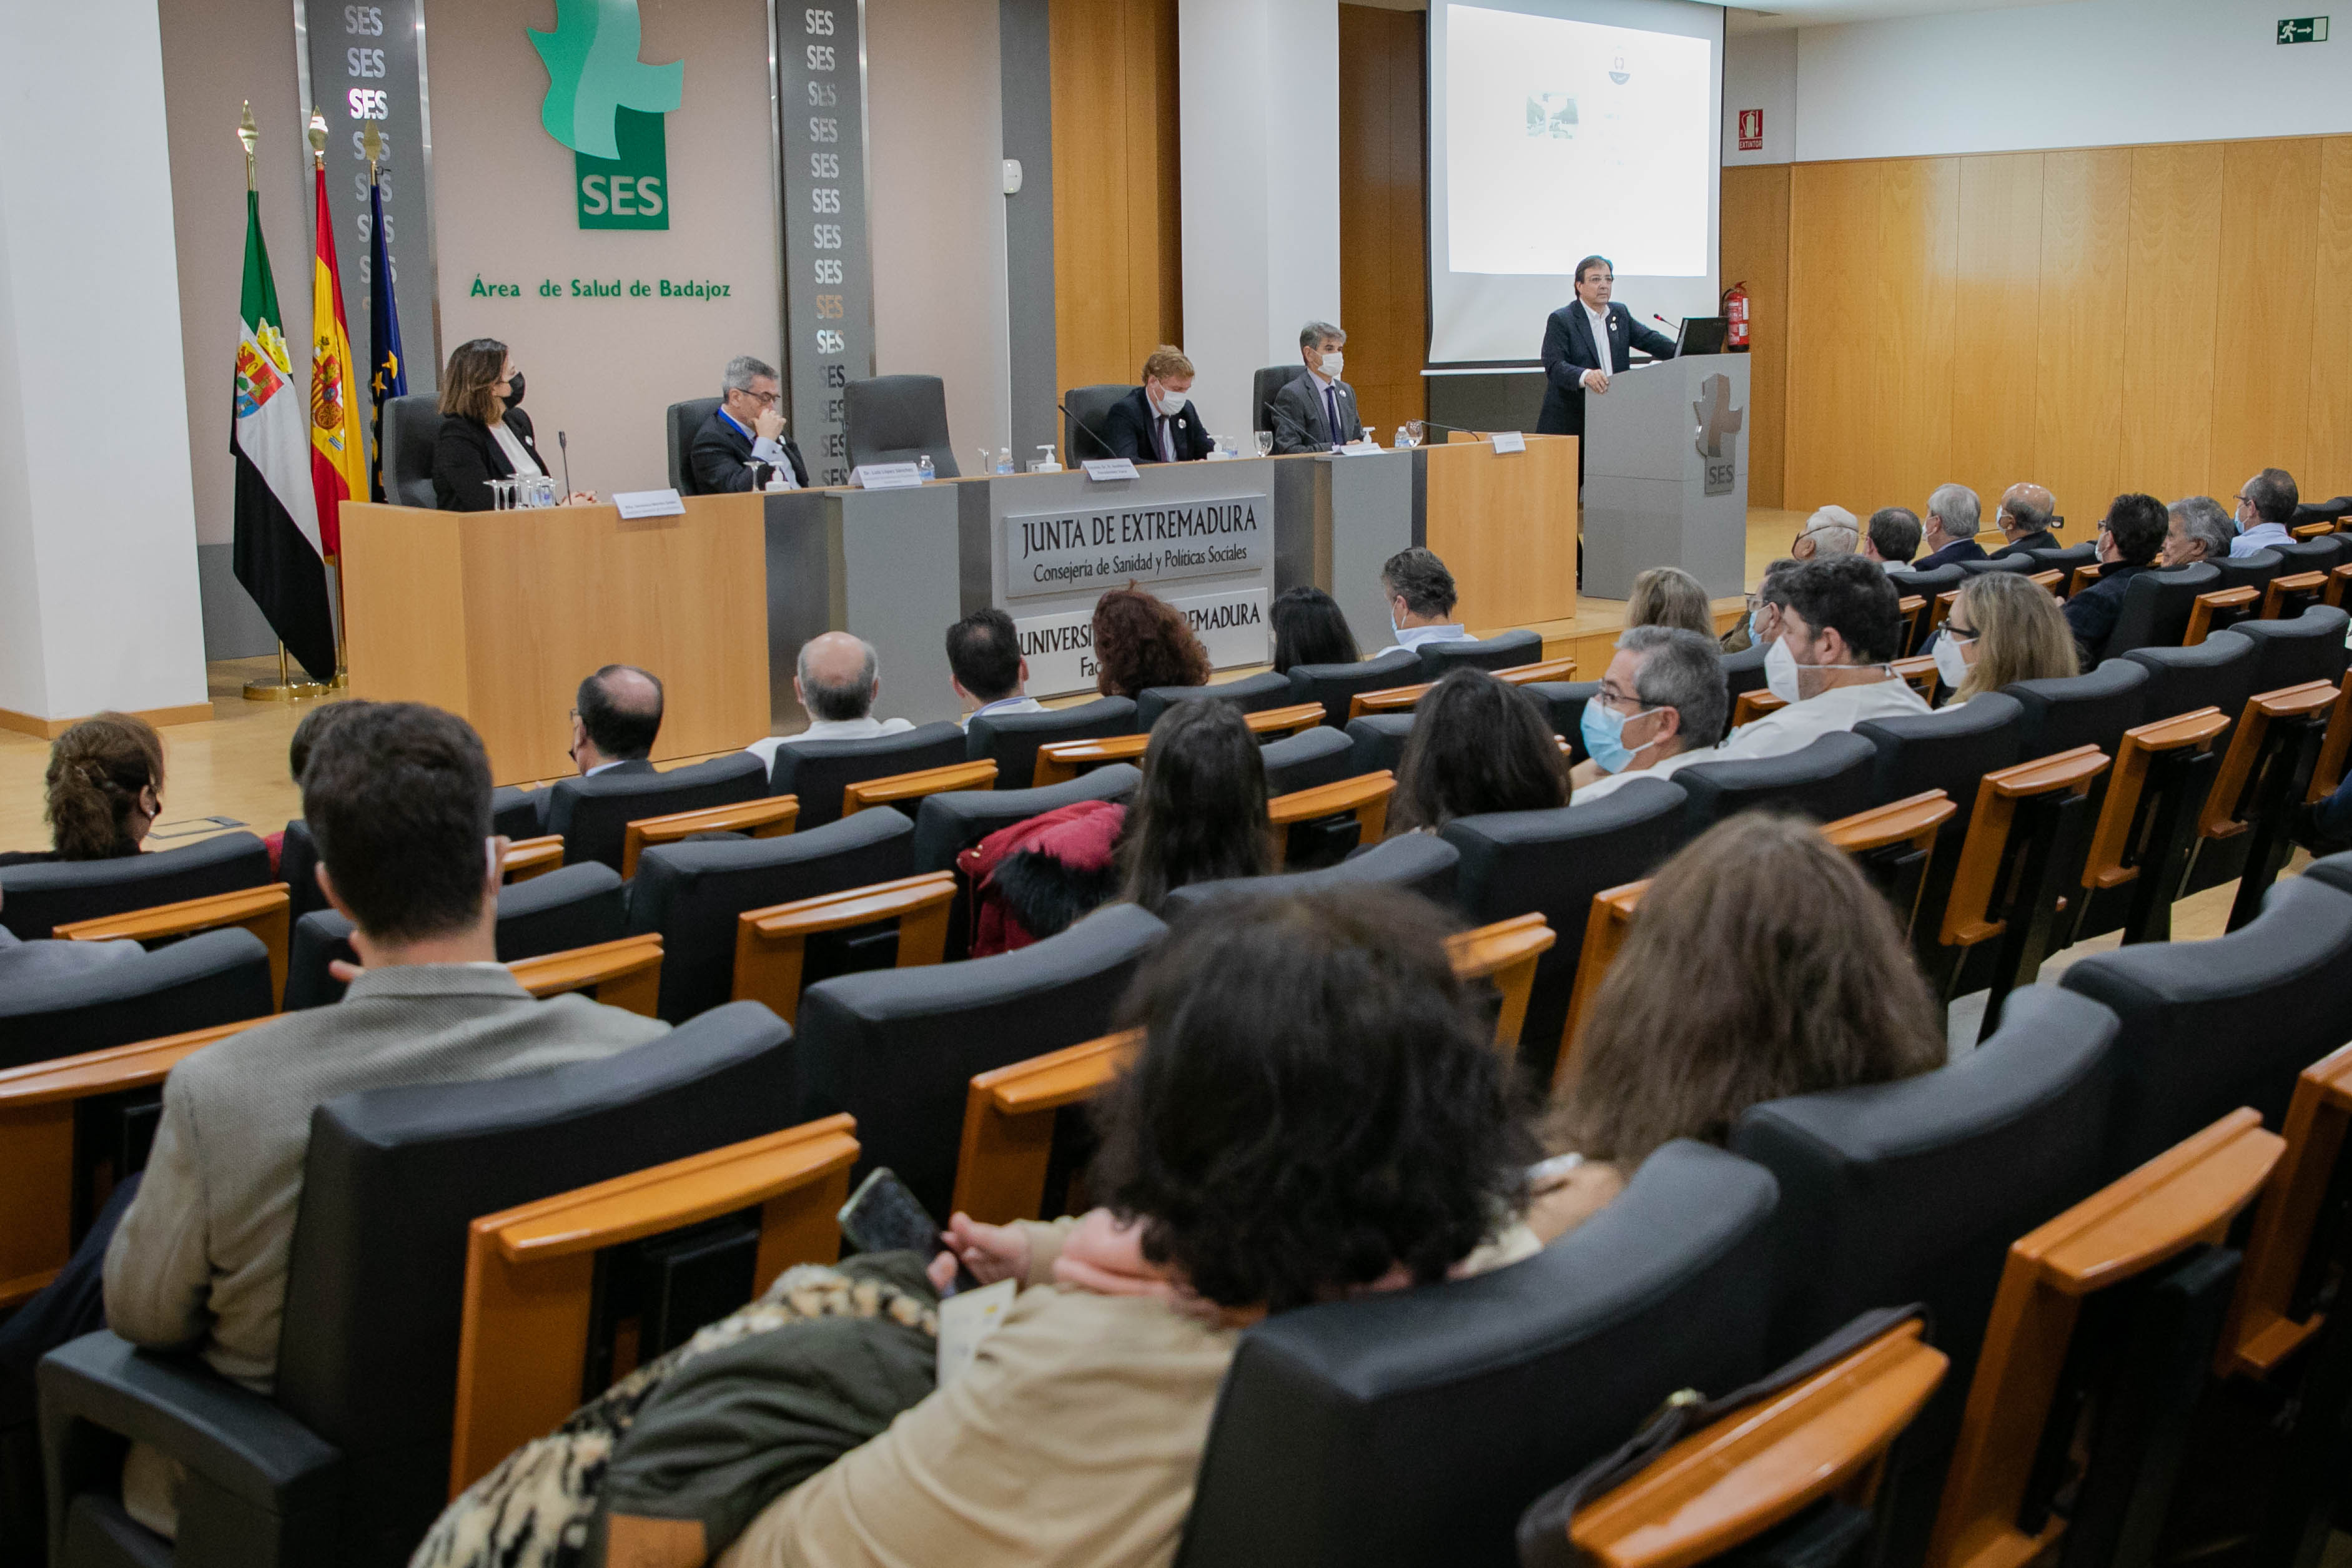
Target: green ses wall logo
[{"x": 606, "y": 105}]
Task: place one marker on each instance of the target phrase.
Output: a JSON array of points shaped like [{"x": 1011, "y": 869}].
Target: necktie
[
  {"x": 1167, "y": 452},
  {"x": 1331, "y": 414}
]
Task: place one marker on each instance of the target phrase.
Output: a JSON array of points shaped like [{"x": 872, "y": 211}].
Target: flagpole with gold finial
[{"x": 318, "y": 138}]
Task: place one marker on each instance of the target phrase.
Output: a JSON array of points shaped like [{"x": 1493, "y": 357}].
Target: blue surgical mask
[{"x": 1603, "y": 728}]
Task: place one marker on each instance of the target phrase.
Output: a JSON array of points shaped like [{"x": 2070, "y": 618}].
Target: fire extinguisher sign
[{"x": 1752, "y": 131}]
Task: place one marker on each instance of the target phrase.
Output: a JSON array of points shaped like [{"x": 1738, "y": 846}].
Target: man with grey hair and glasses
[
  {"x": 1662, "y": 703},
  {"x": 2025, "y": 518},
  {"x": 836, "y": 680},
  {"x": 1949, "y": 532},
  {"x": 2196, "y": 529},
  {"x": 1317, "y": 412},
  {"x": 742, "y": 445}
]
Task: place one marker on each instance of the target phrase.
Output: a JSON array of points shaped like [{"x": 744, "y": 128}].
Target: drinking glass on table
[
  {"x": 1409, "y": 433},
  {"x": 1266, "y": 443}
]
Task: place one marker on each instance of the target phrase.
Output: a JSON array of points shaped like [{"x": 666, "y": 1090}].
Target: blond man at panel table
[{"x": 838, "y": 678}]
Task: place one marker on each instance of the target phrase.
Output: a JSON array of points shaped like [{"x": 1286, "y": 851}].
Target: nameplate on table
[
  {"x": 1087, "y": 549},
  {"x": 1361, "y": 449},
  {"x": 1111, "y": 468},
  {"x": 1059, "y": 648},
  {"x": 1509, "y": 441},
  {"x": 887, "y": 475},
  {"x": 650, "y": 502}
]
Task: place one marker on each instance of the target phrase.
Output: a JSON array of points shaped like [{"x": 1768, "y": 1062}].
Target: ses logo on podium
[
  {"x": 1719, "y": 429},
  {"x": 1060, "y": 648},
  {"x": 607, "y": 105}
]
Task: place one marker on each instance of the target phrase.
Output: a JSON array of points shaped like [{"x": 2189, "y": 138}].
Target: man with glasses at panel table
[{"x": 746, "y": 428}]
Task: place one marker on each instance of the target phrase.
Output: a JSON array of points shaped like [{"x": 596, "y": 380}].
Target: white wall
[
  {"x": 98, "y": 559},
  {"x": 1258, "y": 87},
  {"x": 1759, "y": 71}
]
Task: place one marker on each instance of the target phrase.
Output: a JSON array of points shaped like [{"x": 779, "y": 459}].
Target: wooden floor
[{"x": 229, "y": 771}]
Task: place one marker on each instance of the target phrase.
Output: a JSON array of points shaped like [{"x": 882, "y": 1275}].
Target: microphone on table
[
  {"x": 565, "y": 446},
  {"x": 1081, "y": 425},
  {"x": 1464, "y": 429}
]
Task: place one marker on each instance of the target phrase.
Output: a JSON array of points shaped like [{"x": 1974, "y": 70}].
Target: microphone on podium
[{"x": 565, "y": 448}]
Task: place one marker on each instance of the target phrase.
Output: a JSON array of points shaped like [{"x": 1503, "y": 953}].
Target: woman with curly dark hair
[
  {"x": 1298, "y": 1054},
  {"x": 1141, "y": 641},
  {"x": 1478, "y": 745},
  {"x": 105, "y": 791}
]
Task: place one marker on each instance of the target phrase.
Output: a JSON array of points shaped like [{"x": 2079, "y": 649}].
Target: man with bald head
[
  {"x": 614, "y": 717},
  {"x": 2024, "y": 521},
  {"x": 837, "y": 679}
]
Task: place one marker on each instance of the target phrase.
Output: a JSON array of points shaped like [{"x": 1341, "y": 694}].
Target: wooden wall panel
[
  {"x": 1833, "y": 230},
  {"x": 2262, "y": 359},
  {"x": 2329, "y": 453},
  {"x": 2078, "y": 366},
  {"x": 1998, "y": 286},
  {"x": 1755, "y": 250},
  {"x": 1916, "y": 272},
  {"x": 1383, "y": 227},
  {"x": 2171, "y": 310}
]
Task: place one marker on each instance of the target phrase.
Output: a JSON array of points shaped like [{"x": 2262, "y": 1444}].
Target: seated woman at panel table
[
  {"x": 105, "y": 791},
  {"x": 1478, "y": 745},
  {"x": 1309, "y": 628},
  {"x": 1760, "y": 964},
  {"x": 2002, "y": 628},
  {"x": 485, "y": 434}
]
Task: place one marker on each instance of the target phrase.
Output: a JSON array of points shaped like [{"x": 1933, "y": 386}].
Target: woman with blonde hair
[
  {"x": 1669, "y": 596},
  {"x": 2002, "y": 628},
  {"x": 105, "y": 791}
]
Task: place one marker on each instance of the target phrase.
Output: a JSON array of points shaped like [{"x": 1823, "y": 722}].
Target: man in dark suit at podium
[
  {"x": 1157, "y": 422},
  {"x": 1574, "y": 359},
  {"x": 747, "y": 426}
]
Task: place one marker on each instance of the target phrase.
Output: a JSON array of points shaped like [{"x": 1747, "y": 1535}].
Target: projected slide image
[{"x": 1564, "y": 139}]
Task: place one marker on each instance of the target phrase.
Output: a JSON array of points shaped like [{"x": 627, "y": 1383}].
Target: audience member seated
[
  {"x": 105, "y": 788},
  {"x": 35, "y": 963},
  {"x": 615, "y": 719},
  {"x": 1761, "y": 626},
  {"x": 2196, "y": 528},
  {"x": 1309, "y": 628},
  {"x": 2266, "y": 504},
  {"x": 1831, "y": 662},
  {"x": 1806, "y": 984},
  {"x": 314, "y": 723},
  {"x": 836, "y": 679},
  {"x": 1669, "y": 596},
  {"x": 2129, "y": 537},
  {"x": 985, "y": 666},
  {"x": 1420, "y": 596},
  {"x": 1157, "y": 422},
  {"x": 2002, "y": 628},
  {"x": 1478, "y": 745},
  {"x": 1830, "y": 531},
  {"x": 1662, "y": 702},
  {"x": 745, "y": 429},
  {"x": 1317, "y": 412},
  {"x": 2025, "y": 520},
  {"x": 1948, "y": 533},
  {"x": 1141, "y": 641},
  {"x": 1298, "y": 1054},
  {"x": 485, "y": 434},
  {"x": 1892, "y": 537}
]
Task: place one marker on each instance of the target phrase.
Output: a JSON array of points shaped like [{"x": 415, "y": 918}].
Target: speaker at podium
[{"x": 1665, "y": 475}]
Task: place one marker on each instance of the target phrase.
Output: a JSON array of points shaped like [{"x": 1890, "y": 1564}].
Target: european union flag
[{"x": 388, "y": 374}]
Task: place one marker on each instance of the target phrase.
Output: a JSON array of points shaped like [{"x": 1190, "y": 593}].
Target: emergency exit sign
[{"x": 2303, "y": 30}]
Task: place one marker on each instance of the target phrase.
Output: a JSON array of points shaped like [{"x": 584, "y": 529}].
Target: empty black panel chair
[
  {"x": 1087, "y": 407},
  {"x": 2253, "y": 572},
  {"x": 594, "y": 814},
  {"x": 1744, "y": 671},
  {"x": 1316, "y": 756},
  {"x": 45, "y": 894},
  {"x": 2217, "y": 672},
  {"x": 2324, "y": 553},
  {"x": 1422, "y": 862},
  {"x": 2156, "y": 606},
  {"x": 1379, "y": 740},
  {"x": 1264, "y": 385},
  {"x": 2328, "y": 511},
  {"x": 211, "y": 977},
  {"x": 1825, "y": 780},
  {"x": 679, "y": 423},
  {"x": 898, "y": 419},
  {"x": 1011, "y": 739},
  {"x": 515, "y": 812},
  {"x": 1251, "y": 693},
  {"x": 2065, "y": 712},
  {"x": 2210, "y": 1026},
  {"x": 819, "y": 770},
  {"x": 1413, "y": 1427},
  {"x": 349, "y": 1461},
  {"x": 897, "y": 1048},
  {"x": 1552, "y": 862},
  {"x": 694, "y": 893},
  {"x": 298, "y": 868},
  {"x": 947, "y": 824},
  {"x": 1333, "y": 684},
  {"x": 411, "y": 429},
  {"x": 1563, "y": 707},
  {"x": 1504, "y": 651},
  {"x": 2310, "y": 647}
]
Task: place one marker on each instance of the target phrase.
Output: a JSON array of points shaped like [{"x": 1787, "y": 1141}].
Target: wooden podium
[
  {"x": 1506, "y": 525},
  {"x": 498, "y": 615}
]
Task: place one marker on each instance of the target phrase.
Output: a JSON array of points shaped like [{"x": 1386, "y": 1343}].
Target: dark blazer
[
  {"x": 1299, "y": 421},
  {"x": 2046, "y": 539},
  {"x": 1568, "y": 351},
  {"x": 546, "y": 798},
  {"x": 1951, "y": 554},
  {"x": 1127, "y": 429},
  {"x": 719, "y": 459},
  {"x": 467, "y": 457},
  {"x": 2092, "y": 614}
]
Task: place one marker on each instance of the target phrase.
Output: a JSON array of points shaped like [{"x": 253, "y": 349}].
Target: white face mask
[
  {"x": 1331, "y": 364},
  {"x": 1951, "y": 664},
  {"x": 1780, "y": 670},
  {"x": 1172, "y": 403}
]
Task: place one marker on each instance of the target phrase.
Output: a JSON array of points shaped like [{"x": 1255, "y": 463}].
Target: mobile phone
[{"x": 882, "y": 1216}]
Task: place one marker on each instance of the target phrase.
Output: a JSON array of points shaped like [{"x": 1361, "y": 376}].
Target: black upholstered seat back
[
  {"x": 897, "y": 1048},
  {"x": 1951, "y": 749},
  {"x": 1563, "y": 703},
  {"x": 211, "y": 977},
  {"x": 1413, "y": 1427},
  {"x": 2210, "y": 1026},
  {"x": 1744, "y": 672},
  {"x": 317, "y": 940},
  {"x": 1011, "y": 739},
  {"x": 1303, "y": 761},
  {"x": 2217, "y": 672},
  {"x": 2020, "y": 562},
  {"x": 2308, "y": 647},
  {"x": 594, "y": 814},
  {"x": 515, "y": 812},
  {"x": 368, "y": 1356},
  {"x": 1087, "y": 407},
  {"x": 1378, "y": 739},
  {"x": 2063, "y": 557},
  {"x": 1828, "y": 778},
  {"x": 44, "y": 895},
  {"x": 819, "y": 770},
  {"x": 2156, "y": 606},
  {"x": 947, "y": 824},
  {"x": 2253, "y": 572},
  {"x": 1251, "y": 693},
  {"x": 1265, "y": 384},
  {"x": 693, "y": 893},
  {"x": 899, "y": 419},
  {"x": 2324, "y": 553},
  {"x": 679, "y": 423},
  {"x": 298, "y": 868},
  {"x": 2065, "y": 712},
  {"x": 1929, "y": 583},
  {"x": 1422, "y": 863},
  {"x": 411, "y": 429},
  {"x": 1551, "y": 862},
  {"x": 1504, "y": 651},
  {"x": 1333, "y": 684}
]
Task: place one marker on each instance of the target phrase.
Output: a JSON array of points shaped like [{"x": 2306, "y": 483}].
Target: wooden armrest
[
  {"x": 1967, "y": 913},
  {"x": 625, "y": 973},
  {"x": 1731, "y": 1481},
  {"x": 1604, "y": 934},
  {"x": 2219, "y": 820},
  {"x": 1753, "y": 706},
  {"x": 2338, "y": 581},
  {"x": 1920, "y": 673},
  {"x": 2049, "y": 581},
  {"x": 1058, "y": 1078},
  {"x": 2274, "y": 597},
  {"x": 770, "y": 818},
  {"x": 528, "y": 858},
  {"x": 1287, "y": 720},
  {"x": 1391, "y": 699},
  {"x": 1908, "y": 605},
  {"x": 2104, "y": 866},
  {"x": 2062, "y": 770},
  {"x": 1008, "y": 1124},
  {"x": 1506, "y": 953},
  {"x": 772, "y": 944},
  {"x": 266, "y": 911},
  {"x": 2311, "y": 530},
  {"x": 2083, "y": 576},
  {"x": 1365, "y": 797},
  {"x": 2186, "y": 1195},
  {"x": 980, "y": 775},
  {"x": 2328, "y": 771},
  {"x": 2260, "y": 1334},
  {"x": 1060, "y": 761},
  {"x": 1542, "y": 670},
  {"x": 1913, "y": 821},
  {"x": 2206, "y": 606},
  {"x": 109, "y": 1071},
  {"x": 1943, "y": 610}
]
